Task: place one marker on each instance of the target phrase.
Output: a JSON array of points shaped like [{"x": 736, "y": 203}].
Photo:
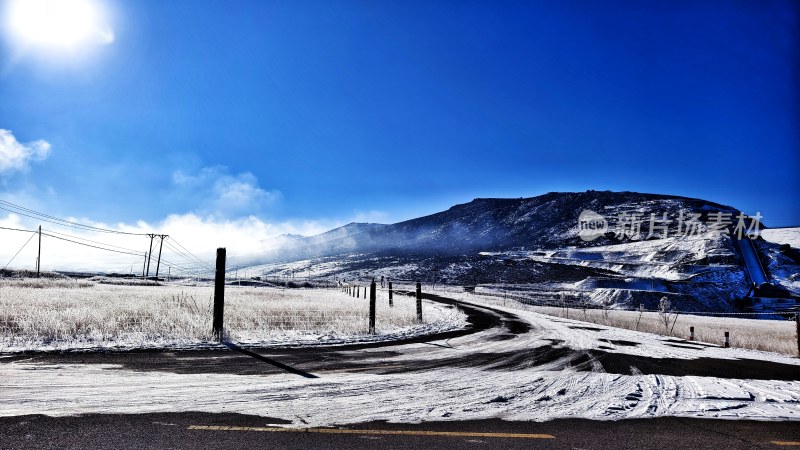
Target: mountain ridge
[{"x": 487, "y": 224}]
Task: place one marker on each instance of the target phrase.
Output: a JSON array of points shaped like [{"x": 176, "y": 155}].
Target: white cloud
[
  {"x": 15, "y": 155},
  {"x": 220, "y": 193},
  {"x": 247, "y": 240}
]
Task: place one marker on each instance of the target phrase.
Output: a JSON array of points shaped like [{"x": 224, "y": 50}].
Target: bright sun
[{"x": 65, "y": 24}]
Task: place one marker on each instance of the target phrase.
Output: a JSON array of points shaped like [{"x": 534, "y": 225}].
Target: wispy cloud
[
  {"x": 371, "y": 216},
  {"x": 15, "y": 155},
  {"x": 216, "y": 191}
]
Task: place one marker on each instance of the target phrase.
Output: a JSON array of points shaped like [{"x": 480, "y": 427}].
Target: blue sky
[{"x": 328, "y": 111}]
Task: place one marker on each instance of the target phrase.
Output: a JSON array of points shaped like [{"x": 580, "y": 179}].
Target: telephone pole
[
  {"x": 150, "y": 254},
  {"x": 158, "y": 263}
]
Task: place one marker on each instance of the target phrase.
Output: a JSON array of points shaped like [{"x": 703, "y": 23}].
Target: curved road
[
  {"x": 506, "y": 364},
  {"x": 495, "y": 339}
]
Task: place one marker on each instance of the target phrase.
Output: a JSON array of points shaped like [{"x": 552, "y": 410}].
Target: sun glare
[{"x": 65, "y": 24}]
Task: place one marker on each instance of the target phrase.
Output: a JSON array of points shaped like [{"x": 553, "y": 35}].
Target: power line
[
  {"x": 191, "y": 262},
  {"x": 89, "y": 240},
  {"x": 33, "y": 233},
  {"x": 90, "y": 245},
  {"x": 194, "y": 262},
  {"x": 209, "y": 266},
  {"x": 191, "y": 256},
  {"x": 18, "y": 229},
  {"x": 183, "y": 255},
  {"x": 21, "y": 210}
]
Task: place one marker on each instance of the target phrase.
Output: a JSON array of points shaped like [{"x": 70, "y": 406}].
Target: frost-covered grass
[
  {"x": 43, "y": 283},
  {"x": 302, "y": 315},
  {"x": 63, "y": 314}
]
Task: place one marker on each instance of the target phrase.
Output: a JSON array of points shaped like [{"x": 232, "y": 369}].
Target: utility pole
[
  {"x": 158, "y": 264},
  {"x": 150, "y": 254},
  {"x": 39, "y": 257},
  {"x": 144, "y": 263}
]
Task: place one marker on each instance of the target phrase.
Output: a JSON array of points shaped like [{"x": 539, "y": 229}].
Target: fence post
[
  {"x": 372, "y": 296},
  {"x": 797, "y": 328},
  {"x": 391, "y": 303},
  {"x": 219, "y": 294},
  {"x": 727, "y": 339},
  {"x": 691, "y": 333},
  {"x": 419, "y": 301}
]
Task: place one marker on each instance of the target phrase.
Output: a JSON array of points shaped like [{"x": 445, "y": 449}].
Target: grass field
[{"x": 65, "y": 314}]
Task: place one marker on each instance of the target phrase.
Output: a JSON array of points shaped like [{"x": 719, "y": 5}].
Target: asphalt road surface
[{"x": 202, "y": 430}]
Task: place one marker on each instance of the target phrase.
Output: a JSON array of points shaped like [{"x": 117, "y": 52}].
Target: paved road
[{"x": 203, "y": 430}]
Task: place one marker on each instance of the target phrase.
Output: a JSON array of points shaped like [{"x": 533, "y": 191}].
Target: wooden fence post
[
  {"x": 691, "y": 333},
  {"x": 727, "y": 339},
  {"x": 372, "y": 295},
  {"x": 391, "y": 303},
  {"x": 797, "y": 328},
  {"x": 419, "y": 301},
  {"x": 219, "y": 295}
]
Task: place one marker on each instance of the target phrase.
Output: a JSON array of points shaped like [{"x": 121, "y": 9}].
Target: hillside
[
  {"x": 533, "y": 245},
  {"x": 490, "y": 224}
]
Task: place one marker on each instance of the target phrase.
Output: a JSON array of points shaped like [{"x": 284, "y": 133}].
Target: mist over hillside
[
  {"x": 651, "y": 246},
  {"x": 493, "y": 224}
]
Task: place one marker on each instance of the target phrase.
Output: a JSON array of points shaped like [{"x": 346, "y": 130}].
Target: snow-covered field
[
  {"x": 533, "y": 389},
  {"x": 789, "y": 236},
  {"x": 64, "y": 314},
  {"x": 773, "y": 333}
]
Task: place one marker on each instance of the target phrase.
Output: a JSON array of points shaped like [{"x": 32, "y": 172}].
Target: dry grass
[
  {"x": 78, "y": 315},
  {"x": 44, "y": 283}
]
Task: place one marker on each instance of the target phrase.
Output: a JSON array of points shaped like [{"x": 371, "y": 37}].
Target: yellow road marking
[
  {"x": 787, "y": 443},
  {"x": 380, "y": 432}
]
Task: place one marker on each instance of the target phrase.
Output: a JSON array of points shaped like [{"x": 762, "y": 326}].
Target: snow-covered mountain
[
  {"x": 493, "y": 224},
  {"x": 535, "y": 245}
]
